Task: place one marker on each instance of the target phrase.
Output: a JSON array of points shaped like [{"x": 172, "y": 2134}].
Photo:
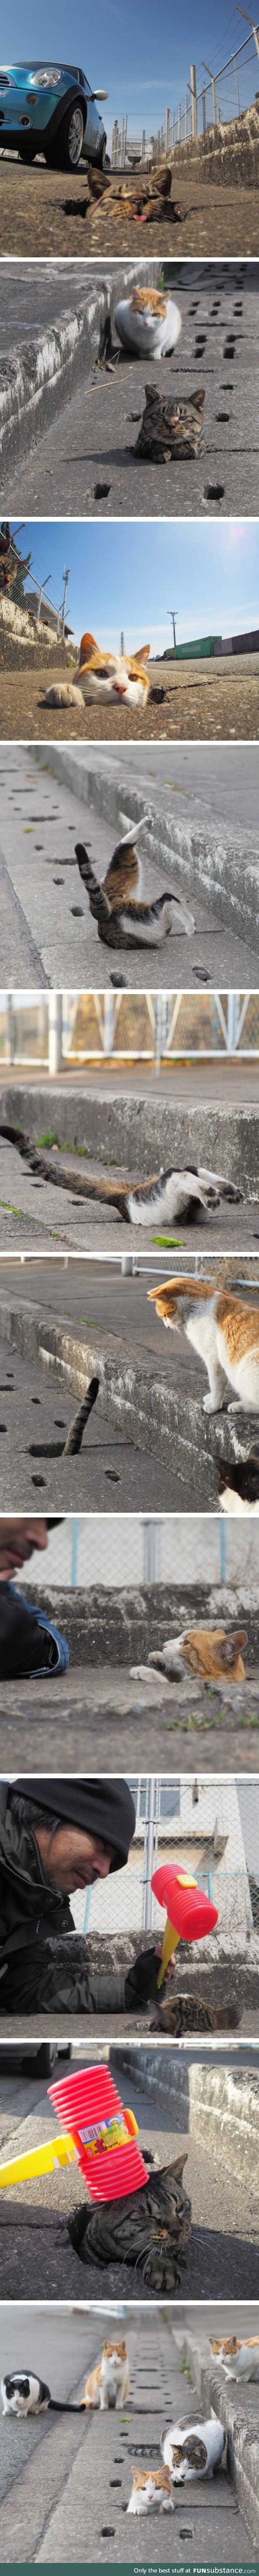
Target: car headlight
[{"x": 46, "y": 79}]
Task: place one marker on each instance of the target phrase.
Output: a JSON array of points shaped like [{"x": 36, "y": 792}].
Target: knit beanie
[{"x": 102, "y": 1807}]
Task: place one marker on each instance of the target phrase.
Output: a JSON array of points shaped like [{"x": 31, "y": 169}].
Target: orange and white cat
[
  {"x": 108, "y": 2385},
  {"x": 120, "y": 679},
  {"x": 240, "y": 2360},
  {"x": 210, "y": 1652},
  {"x": 151, "y": 2487},
  {"x": 148, "y": 322},
  {"x": 223, "y": 1331}
]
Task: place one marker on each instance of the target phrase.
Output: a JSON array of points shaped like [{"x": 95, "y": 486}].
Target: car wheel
[
  {"x": 47, "y": 2057},
  {"x": 102, "y": 157},
  {"x": 70, "y": 140}
]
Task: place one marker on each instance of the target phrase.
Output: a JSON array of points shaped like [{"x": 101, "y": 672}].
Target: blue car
[{"x": 50, "y": 108}]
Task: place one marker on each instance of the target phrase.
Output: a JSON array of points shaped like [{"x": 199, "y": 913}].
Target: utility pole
[
  {"x": 122, "y": 643},
  {"x": 173, "y": 613},
  {"x": 64, "y": 600}
]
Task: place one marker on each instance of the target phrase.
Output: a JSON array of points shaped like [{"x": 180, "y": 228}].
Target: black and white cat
[
  {"x": 163, "y": 1198},
  {"x": 23, "y": 2394}
]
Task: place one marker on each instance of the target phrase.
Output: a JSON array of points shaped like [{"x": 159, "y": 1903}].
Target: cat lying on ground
[
  {"x": 223, "y": 1331},
  {"x": 240, "y": 2360},
  {"x": 150, "y": 2487},
  {"x": 179, "y": 2014},
  {"x": 193, "y": 2450},
  {"x": 119, "y": 679},
  {"x": 239, "y": 1487},
  {"x": 210, "y": 1652},
  {"x": 23, "y": 2394},
  {"x": 166, "y": 1196},
  {"x": 172, "y": 428},
  {"x": 123, "y": 921},
  {"x": 147, "y": 322},
  {"x": 108, "y": 2385},
  {"x": 142, "y": 196},
  {"x": 148, "y": 2228}
]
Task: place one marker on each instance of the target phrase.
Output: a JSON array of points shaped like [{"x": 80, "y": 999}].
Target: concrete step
[
  {"x": 238, "y": 2407},
  {"x": 57, "y": 1716}
]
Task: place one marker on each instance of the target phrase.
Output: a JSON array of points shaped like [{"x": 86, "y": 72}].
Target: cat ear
[
  {"x": 177, "y": 2168},
  {"x": 141, "y": 654},
  {"x": 230, "y": 1645},
  {"x": 198, "y": 399},
  {"x": 87, "y": 647}
]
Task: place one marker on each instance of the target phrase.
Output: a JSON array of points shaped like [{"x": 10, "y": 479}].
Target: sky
[
  {"x": 131, "y": 573},
  {"x": 142, "y": 57}
]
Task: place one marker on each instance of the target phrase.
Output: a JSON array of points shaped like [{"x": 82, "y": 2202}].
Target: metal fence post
[
  {"x": 194, "y": 101},
  {"x": 186, "y": 113},
  {"x": 179, "y": 122},
  {"x": 167, "y": 129},
  {"x": 55, "y": 1032},
  {"x": 203, "y": 111},
  {"x": 150, "y": 1854}
]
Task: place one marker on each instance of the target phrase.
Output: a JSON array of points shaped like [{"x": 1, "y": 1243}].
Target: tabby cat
[
  {"x": 178, "y": 2015},
  {"x": 223, "y": 1331},
  {"x": 149, "y": 2228},
  {"x": 172, "y": 428},
  {"x": 140, "y": 195},
  {"x": 164, "y": 1197},
  {"x": 239, "y": 1487},
  {"x": 108, "y": 2384},
  {"x": 123, "y": 921},
  {"x": 118, "y": 679},
  {"x": 150, "y": 2487},
  {"x": 240, "y": 2360},
  {"x": 148, "y": 322},
  {"x": 193, "y": 2450}
]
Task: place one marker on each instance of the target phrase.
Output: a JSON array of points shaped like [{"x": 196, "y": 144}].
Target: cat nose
[{"x": 120, "y": 687}]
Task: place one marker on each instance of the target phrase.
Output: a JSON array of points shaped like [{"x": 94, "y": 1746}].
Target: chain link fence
[
  {"x": 28, "y": 601},
  {"x": 226, "y": 94},
  {"x": 145, "y": 1028}
]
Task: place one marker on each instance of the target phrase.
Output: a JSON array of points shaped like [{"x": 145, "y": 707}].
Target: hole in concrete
[
  {"x": 36, "y": 1399},
  {"x": 186, "y": 2530},
  {"x": 199, "y": 346},
  {"x": 101, "y": 491},
  {"x": 238, "y": 308},
  {"x": 35, "y": 1185},
  {"x": 229, "y": 350},
  {"x": 115, "y": 2482},
  {"x": 58, "y": 880},
  {"x": 38, "y": 1480},
  {"x": 77, "y": 909},
  {"x": 60, "y": 1425},
  {"x": 222, "y": 415},
  {"x": 108, "y": 2530},
  {"x": 47, "y": 1449},
  {"x": 213, "y": 491},
  {"x": 111, "y": 1476},
  {"x": 3, "y": 1426},
  {"x": 227, "y": 388}
]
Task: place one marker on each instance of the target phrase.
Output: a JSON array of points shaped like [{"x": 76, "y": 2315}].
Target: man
[
  {"x": 29, "y": 1641},
  {"x": 56, "y": 1835}
]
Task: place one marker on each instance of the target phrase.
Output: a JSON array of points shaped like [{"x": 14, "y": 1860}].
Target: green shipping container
[{"x": 195, "y": 652}]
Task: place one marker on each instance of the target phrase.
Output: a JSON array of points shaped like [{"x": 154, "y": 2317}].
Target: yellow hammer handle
[
  {"x": 169, "y": 1943},
  {"x": 39, "y": 2160}
]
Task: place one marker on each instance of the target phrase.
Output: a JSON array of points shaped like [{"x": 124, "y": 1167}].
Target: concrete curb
[
  {"x": 224, "y": 2114},
  {"x": 238, "y": 2411},
  {"x": 198, "y": 859},
  {"x": 36, "y": 385},
  {"x": 146, "y": 1408},
  {"x": 138, "y": 1134}
]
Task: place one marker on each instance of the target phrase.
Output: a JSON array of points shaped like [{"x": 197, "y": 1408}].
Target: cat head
[
  {"x": 191, "y": 2454},
  {"x": 221, "y": 2345},
  {"x": 211, "y": 1649},
  {"x": 146, "y": 299},
  {"x": 121, "y": 2348},
  {"x": 152, "y": 2478},
  {"x": 170, "y": 1296},
  {"x": 122, "y": 678}
]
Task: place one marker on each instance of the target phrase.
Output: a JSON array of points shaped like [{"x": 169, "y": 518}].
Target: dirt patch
[{"x": 33, "y": 220}]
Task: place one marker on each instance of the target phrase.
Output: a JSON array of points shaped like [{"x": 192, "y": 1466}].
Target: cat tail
[
  {"x": 75, "y": 1435},
  {"x": 29, "y": 1153},
  {"x": 58, "y": 2406},
  {"x": 98, "y": 901}
]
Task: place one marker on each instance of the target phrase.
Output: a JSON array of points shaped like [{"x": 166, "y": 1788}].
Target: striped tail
[
  {"x": 75, "y": 1436},
  {"x": 99, "y": 905}
]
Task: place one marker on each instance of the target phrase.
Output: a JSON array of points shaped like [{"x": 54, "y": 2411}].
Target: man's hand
[
  {"x": 141, "y": 1981},
  {"x": 169, "y": 1972}
]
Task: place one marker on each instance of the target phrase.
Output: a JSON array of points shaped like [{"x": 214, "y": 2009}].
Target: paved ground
[
  {"x": 97, "y": 430},
  {"x": 150, "y": 1394},
  {"x": 52, "y": 2501},
  {"x": 218, "y": 699},
  {"x": 42, "y": 208},
  {"x": 223, "y": 2255},
  {"x": 58, "y": 1720},
  {"x": 48, "y": 936}
]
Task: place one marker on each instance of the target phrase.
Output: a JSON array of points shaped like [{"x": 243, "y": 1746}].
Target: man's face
[
  {"x": 72, "y": 1859},
  {"x": 17, "y": 1541}
]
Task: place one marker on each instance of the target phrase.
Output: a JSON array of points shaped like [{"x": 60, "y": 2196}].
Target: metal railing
[
  {"x": 148, "y": 1028},
  {"x": 226, "y": 94}
]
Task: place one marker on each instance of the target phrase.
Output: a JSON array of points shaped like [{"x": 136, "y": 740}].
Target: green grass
[{"x": 52, "y": 1139}]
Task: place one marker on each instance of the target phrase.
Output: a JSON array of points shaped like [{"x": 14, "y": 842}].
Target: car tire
[
  {"x": 47, "y": 2057},
  {"x": 102, "y": 158},
  {"x": 65, "y": 154}
]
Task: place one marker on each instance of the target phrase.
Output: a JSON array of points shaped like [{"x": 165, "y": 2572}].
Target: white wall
[{"x": 121, "y": 1549}]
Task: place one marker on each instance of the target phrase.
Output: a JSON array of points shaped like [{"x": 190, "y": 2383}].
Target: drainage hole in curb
[
  {"x": 115, "y": 2482},
  {"x": 213, "y": 491},
  {"x": 101, "y": 491},
  {"x": 57, "y": 880},
  {"x": 186, "y": 2530},
  {"x": 46, "y": 1449},
  {"x": 77, "y": 909},
  {"x": 228, "y": 388},
  {"x": 36, "y": 1399},
  {"x": 222, "y": 415},
  {"x": 38, "y": 1480},
  {"x": 108, "y": 2531},
  {"x": 60, "y": 1425},
  {"x": 111, "y": 1476},
  {"x": 3, "y": 1426}
]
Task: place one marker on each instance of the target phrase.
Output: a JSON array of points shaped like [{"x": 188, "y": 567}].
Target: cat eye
[{"x": 104, "y": 674}]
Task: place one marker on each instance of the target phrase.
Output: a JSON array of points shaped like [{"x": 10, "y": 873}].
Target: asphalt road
[
  {"x": 223, "y": 2254},
  {"x": 224, "y": 705},
  {"x": 44, "y": 212},
  {"x": 48, "y": 936},
  {"x": 95, "y": 434},
  {"x": 65, "y": 2490},
  {"x": 59, "y": 1721}
]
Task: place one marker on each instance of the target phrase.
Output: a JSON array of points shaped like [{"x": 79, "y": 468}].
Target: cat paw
[{"x": 208, "y": 1404}]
